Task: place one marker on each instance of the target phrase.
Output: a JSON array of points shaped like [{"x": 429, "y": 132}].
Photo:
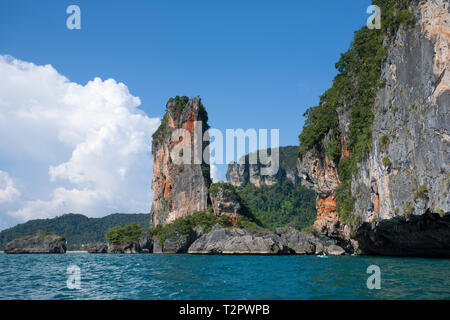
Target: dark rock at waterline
[
  {"x": 37, "y": 244},
  {"x": 334, "y": 250},
  {"x": 97, "y": 248},
  {"x": 427, "y": 235},
  {"x": 146, "y": 244},
  {"x": 143, "y": 245},
  {"x": 178, "y": 244},
  {"x": 237, "y": 241},
  {"x": 127, "y": 247},
  {"x": 300, "y": 242}
]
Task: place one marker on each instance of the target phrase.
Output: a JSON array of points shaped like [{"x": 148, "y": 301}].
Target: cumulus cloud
[
  {"x": 215, "y": 173},
  {"x": 8, "y": 191},
  {"x": 73, "y": 148}
]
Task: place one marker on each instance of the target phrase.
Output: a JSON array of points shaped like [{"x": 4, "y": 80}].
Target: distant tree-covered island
[{"x": 77, "y": 229}]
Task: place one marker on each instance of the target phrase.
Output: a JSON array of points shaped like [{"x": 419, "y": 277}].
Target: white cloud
[
  {"x": 8, "y": 191},
  {"x": 73, "y": 148},
  {"x": 215, "y": 173}
]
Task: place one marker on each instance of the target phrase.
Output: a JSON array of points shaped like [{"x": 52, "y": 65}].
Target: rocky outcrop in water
[
  {"x": 299, "y": 242},
  {"x": 334, "y": 250},
  {"x": 240, "y": 241},
  {"x": 399, "y": 190},
  {"x": 146, "y": 244},
  {"x": 237, "y": 241},
  {"x": 37, "y": 244},
  {"x": 127, "y": 247},
  {"x": 176, "y": 244},
  {"x": 180, "y": 189},
  {"x": 424, "y": 235},
  {"x": 143, "y": 245},
  {"x": 97, "y": 248}
]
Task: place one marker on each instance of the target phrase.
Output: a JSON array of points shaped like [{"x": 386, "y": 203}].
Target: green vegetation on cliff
[
  {"x": 76, "y": 228},
  {"x": 214, "y": 189},
  {"x": 178, "y": 104},
  {"x": 354, "y": 87}
]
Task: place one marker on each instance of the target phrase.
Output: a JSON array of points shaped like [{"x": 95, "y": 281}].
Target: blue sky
[{"x": 256, "y": 64}]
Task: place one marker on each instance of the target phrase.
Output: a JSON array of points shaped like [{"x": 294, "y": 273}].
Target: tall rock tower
[
  {"x": 180, "y": 189},
  {"x": 376, "y": 149}
]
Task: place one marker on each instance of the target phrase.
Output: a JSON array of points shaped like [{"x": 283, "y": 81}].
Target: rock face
[
  {"x": 97, "y": 248},
  {"x": 242, "y": 172},
  {"x": 237, "y": 173},
  {"x": 320, "y": 173},
  {"x": 401, "y": 186},
  {"x": 237, "y": 241},
  {"x": 146, "y": 244},
  {"x": 226, "y": 202},
  {"x": 178, "y": 244},
  {"x": 299, "y": 242},
  {"x": 335, "y": 250},
  {"x": 425, "y": 235},
  {"x": 128, "y": 247},
  {"x": 180, "y": 188},
  {"x": 37, "y": 244}
]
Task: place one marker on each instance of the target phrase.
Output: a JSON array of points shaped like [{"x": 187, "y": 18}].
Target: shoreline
[{"x": 247, "y": 254}]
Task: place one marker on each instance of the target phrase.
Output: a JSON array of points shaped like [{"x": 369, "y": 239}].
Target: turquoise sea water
[{"x": 152, "y": 276}]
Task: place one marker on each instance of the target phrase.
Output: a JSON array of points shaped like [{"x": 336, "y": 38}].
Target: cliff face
[
  {"x": 226, "y": 202},
  {"x": 399, "y": 188},
  {"x": 320, "y": 173},
  {"x": 179, "y": 189},
  {"x": 241, "y": 172}
]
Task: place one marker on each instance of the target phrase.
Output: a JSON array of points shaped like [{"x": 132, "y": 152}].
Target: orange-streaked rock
[
  {"x": 178, "y": 189},
  {"x": 325, "y": 206},
  {"x": 376, "y": 203}
]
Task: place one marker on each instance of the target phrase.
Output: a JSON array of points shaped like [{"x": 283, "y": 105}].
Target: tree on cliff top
[
  {"x": 177, "y": 105},
  {"x": 129, "y": 233}
]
